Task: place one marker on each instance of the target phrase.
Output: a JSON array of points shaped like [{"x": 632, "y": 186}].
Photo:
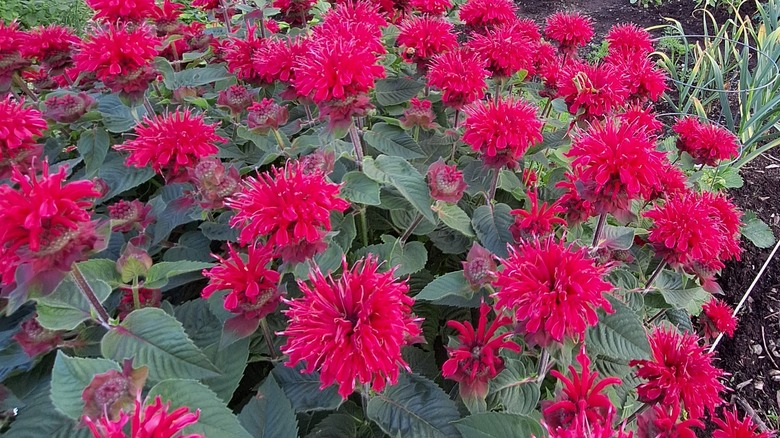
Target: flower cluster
[
  {"x": 19, "y": 128},
  {"x": 707, "y": 143},
  {"x": 151, "y": 421}
]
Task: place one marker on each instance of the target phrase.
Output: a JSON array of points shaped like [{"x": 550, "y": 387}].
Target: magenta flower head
[
  {"x": 420, "y": 113},
  {"x": 266, "y": 115},
  {"x": 481, "y": 15},
  {"x": 570, "y": 30},
  {"x": 717, "y": 317},
  {"x": 479, "y": 267},
  {"x": 707, "y": 143},
  {"x": 537, "y": 221},
  {"x": 446, "y": 182},
  {"x": 730, "y": 426},
  {"x": 460, "y": 75},
  {"x": 236, "y": 98}
]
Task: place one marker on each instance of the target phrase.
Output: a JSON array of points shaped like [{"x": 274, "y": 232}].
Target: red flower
[
  {"x": 295, "y": 12},
  {"x": 236, "y": 98},
  {"x": 592, "y": 91},
  {"x": 728, "y": 218},
  {"x": 339, "y": 113},
  {"x": 705, "y": 142},
  {"x": 421, "y": 38},
  {"x": 554, "y": 289},
  {"x": 680, "y": 370},
  {"x": 475, "y": 361},
  {"x": 68, "y": 107},
  {"x": 121, "y": 57},
  {"x": 506, "y": 48},
  {"x": 660, "y": 422},
  {"x": 290, "y": 207},
  {"x": 643, "y": 79},
  {"x": 479, "y": 267},
  {"x": 358, "y": 13},
  {"x": 266, "y": 115},
  {"x": 732, "y": 427},
  {"x": 11, "y": 59},
  {"x": 166, "y": 17},
  {"x": 253, "y": 287},
  {"x": 481, "y": 15},
  {"x": 446, "y": 182},
  {"x": 206, "y": 5},
  {"x": 616, "y": 163},
  {"x": 502, "y": 131},
  {"x": 419, "y": 114},
  {"x": 344, "y": 23},
  {"x": 122, "y": 10},
  {"x": 460, "y": 75},
  {"x": 569, "y": 29},
  {"x": 241, "y": 53},
  {"x": 431, "y": 7},
  {"x": 45, "y": 222},
  {"x": 718, "y": 318},
  {"x": 172, "y": 142},
  {"x": 274, "y": 60},
  {"x": 51, "y": 45},
  {"x": 351, "y": 328},
  {"x": 643, "y": 117},
  {"x": 536, "y": 222},
  {"x": 581, "y": 407},
  {"x": 578, "y": 209},
  {"x": 19, "y": 127},
  {"x": 36, "y": 340},
  {"x": 151, "y": 421},
  {"x": 627, "y": 41}
]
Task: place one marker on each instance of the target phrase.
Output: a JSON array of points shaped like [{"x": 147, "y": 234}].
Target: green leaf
[
  {"x": 118, "y": 117},
  {"x": 618, "y": 238},
  {"x": 70, "y": 376},
  {"x": 360, "y": 188},
  {"x": 231, "y": 362},
  {"x": 513, "y": 389},
  {"x": 395, "y": 91},
  {"x": 670, "y": 286},
  {"x": 193, "y": 245},
  {"x": 93, "y": 146},
  {"x": 756, "y": 231},
  {"x": 451, "y": 284},
  {"x": 66, "y": 307},
  {"x": 199, "y": 323},
  {"x": 492, "y": 227},
  {"x": 619, "y": 335},
  {"x": 215, "y": 418},
  {"x": 409, "y": 183},
  {"x": 269, "y": 414},
  {"x": 730, "y": 178},
  {"x": 196, "y": 77},
  {"x": 159, "y": 274},
  {"x": 153, "y": 338},
  {"x": 121, "y": 178},
  {"x": 408, "y": 258},
  {"x": 454, "y": 217},
  {"x": 414, "y": 407},
  {"x": 393, "y": 141},
  {"x": 38, "y": 418},
  {"x": 303, "y": 390},
  {"x": 499, "y": 425}
]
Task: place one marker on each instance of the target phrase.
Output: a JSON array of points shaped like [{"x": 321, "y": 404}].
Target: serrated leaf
[
  {"x": 159, "y": 274},
  {"x": 215, "y": 418},
  {"x": 455, "y": 218},
  {"x": 69, "y": 377},
  {"x": 619, "y": 335},
  {"x": 448, "y": 285},
  {"x": 303, "y": 390},
  {"x": 674, "y": 293},
  {"x": 513, "y": 389},
  {"x": 156, "y": 339},
  {"x": 196, "y": 77},
  {"x": 66, "y": 307},
  {"x": 359, "y": 188},
  {"x": 409, "y": 182},
  {"x": 218, "y": 231},
  {"x": 499, "y": 425},
  {"x": 93, "y": 146},
  {"x": 231, "y": 362},
  {"x": 118, "y": 117},
  {"x": 121, "y": 178},
  {"x": 408, "y": 258},
  {"x": 269, "y": 414},
  {"x": 414, "y": 406},
  {"x": 393, "y": 141},
  {"x": 200, "y": 324},
  {"x": 617, "y": 238},
  {"x": 192, "y": 245},
  {"x": 336, "y": 426},
  {"x": 395, "y": 91},
  {"x": 492, "y": 227},
  {"x": 38, "y": 418},
  {"x": 756, "y": 231}
]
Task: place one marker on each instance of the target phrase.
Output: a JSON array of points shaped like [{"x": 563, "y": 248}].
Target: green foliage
[{"x": 31, "y": 13}]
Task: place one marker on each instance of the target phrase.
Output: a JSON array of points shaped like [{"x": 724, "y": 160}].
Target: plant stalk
[
  {"x": 363, "y": 227},
  {"x": 654, "y": 276},
  {"x": 544, "y": 363},
  {"x": 355, "y": 137},
  {"x": 89, "y": 294},
  {"x": 599, "y": 229},
  {"x": 493, "y": 187},
  {"x": 269, "y": 340},
  {"x": 411, "y": 228}
]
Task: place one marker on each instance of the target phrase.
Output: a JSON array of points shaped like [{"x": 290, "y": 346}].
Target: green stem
[
  {"x": 136, "y": 295},
  {"x": 653, "y": 276},
  {"x": 544, "y": 363},
  {"x": 365, "y": 397},
  {"x": 89, "y": 294},
  {"x": 599, "y": 229},
  {"x": 410, "y": 230},
  {"x": 269, "y": 340},
  {"x": 363, "y": 227},
  {"x": 355, "y": 137},
  {"x": 23, "y": 86},
  {"x": 493, "y": 187}
]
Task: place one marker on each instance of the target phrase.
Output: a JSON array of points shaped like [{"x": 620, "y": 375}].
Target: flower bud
[
  {"x": 446, "y": 182},
  {"x": 127, "y": 216},
  {"x": 266, "y": 115},
  {"x": 134, "y": 262},
  {"x": 36, "y": 340},
  {"x": 68, "y": 108},
  {"x": 479, "y": 267},
  {"x": 419, "y": 114},
  {"x": 235, "y": 97},
  {"x": 109, "y": 392},
  {"x": 214, "y": 182}
]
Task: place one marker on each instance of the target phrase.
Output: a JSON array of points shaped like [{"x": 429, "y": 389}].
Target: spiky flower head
[
  {"x": 706, "y": 142},
  {"x": 481, "y": 15},
  {"x": 571, "y": 30},
  {"x": 460, "y": 75}
]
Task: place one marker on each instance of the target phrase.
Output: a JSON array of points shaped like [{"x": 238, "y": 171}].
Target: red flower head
[
  {"x": 680, "y": 370},
  {"x": 121, "y": 57},
  {"x": 479, "y": 267},
  {"x": 52, "y": 46},
  {"x": 172, "y": 142},
  {"x": 475, "y": 361},
  {"x": 295, "y": 12},
  {"x": 69, "y": 107},
  {"x": 236, "y": 98},
  {"x": 292, "y": 208},
  {"x": 578, "y": 209},
  {"x": 166, "y": 17},
  {"x": 554, "y": 289},
  {"x": 643, "y": 117},
  {"x": 351, "y": 328},
  {"x": 705, "y": 142},
  {"x": 590, "y": 91},
  {"x": 644, "y": 80},
  {"x": 460, "y": 75},
  {"x": 362, "y": 24},
  {"x": 581, "y": 407},
  {"x": 661, "y": 422},
  {"x": 628, "y": 41},
  {"x": 718, "y": 317},
  {"x": 728, "y": 218},
  {"x": 357, "y": 13},
  {"x": 44, "y": 223},
  {"x": 431, "y": 7},
  {"x": 570, "y": 30},
  {"x": 128, "y": 216},
  {"x": 151, "y": 421},
  {"x": 214, "y": 182},
  {"x": 11, "y": 43},
  {"x": 274, "y": 61},
  {"x": 206, "y": 5},
  {"x": 421, "y": 38},
  {"x": 419, "y": 114},
  {"x": 536, "y": 222},
  {"x": 502, "y": 131},
  {"x": 36, "y": 340},
  {"x": 732, "y": 427},
  {"x": 481, "y": 15},
  {"x": 616, "y": 163},
  {"x": 19, "y": 127},
  {"x": 122, "y": 10},
  {"x": 266, "y": 115},
  {"x": 506, "y": 48},
  {"x": 339, "y": 113},
  {"x": 241, "y": 53},
  {"x": 530, "y": 178},
  {"x": 254, "y": 290},
  {"x": 446, "y": 182}
]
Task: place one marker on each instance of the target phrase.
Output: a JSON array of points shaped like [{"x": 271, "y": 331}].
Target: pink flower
[
  {"x": 236, "y": 98},
  {"x": 172, "y": 142},
  {"x": 351, "y": 328},
  {"x": 150, "y": 421},
  {"x": 295, "y": 12},
  {"x": 581, "y": 407},
  {"x": 266, "y": 115},
  {"x": 730, "y": 426},
  {"x": 679, "y": 371},
  {"x": 502, "y": 131},
  {"x": 642, "y": 117},
  {"x": 421, "y": 38},
  {"x": 274, "y": 60},
  {"x": 36, "y": 340},
  {"x": 479, "y": 267},
  {"x": 644, "y": 80},
  {"x": 52, "y": 46},
  {"x": 506, "y": 48},
  {"x": 570, "y": 30},
  {"x": 11, "y": 60},
  {"x": 431, "y": 7},
  {"x": 460, "y": 75},
  {"x": 475, "y": 361},
  {"x": 254, "y": 289},
  {"x": 718, "y": 317},
  {"x": 289, "y": 207},
  {"x": 446, "y": 182},
  {"x": 536, "y": 222},
  {"x": 553, "y": 289},
  {"x": 481, "y": 15},
  {"x": 590, "y": 91},
  {"x": 628, "y": 41},
  {"x": 241, "y": 53},
  {"x": 19, "y": 128},
  {"x": 578, "y": 209},
  {"x": 69, "y": 107},
  {"x": 728, "y": 218},
  {"x": 122, "y": 10},
  {"x": 663, "y": 422},
  {"x": 706, "y": 143},
  {"x": 419, "y": 113}
]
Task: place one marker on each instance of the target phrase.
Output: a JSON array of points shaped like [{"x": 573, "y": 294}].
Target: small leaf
[
  {"x": 93, "y": 146},
  {"x": 196, "y": 77},
  {"x": 393, "y": 141},
  {"x": 269, "y": 414},
  {"x": 121, "y": 178},
  {"x": 231, "y": 362},
  {"x": 455, "y": 218},
  {"x": 159, "y": 274},
  {"x": 304, "y": 391},
  {"x": 499, "y": 425},
  {"x": 66, "y": 307},
  {"x": 758, "y": 232},
  {"x": 360, "y": 188},
  {"x": 409, "y": 182},
  {"x": 70, "y": 376},
  {"x": 619, "y": 335},
  {"x": 448, "y": 285},
  {"x": 118, "y": 117},
  {"x": 492, "y": 227},
  {"x": 618, "y": 238},
  {"x": 395, "y": 91},
  {"x": 513, "y": 389}
]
